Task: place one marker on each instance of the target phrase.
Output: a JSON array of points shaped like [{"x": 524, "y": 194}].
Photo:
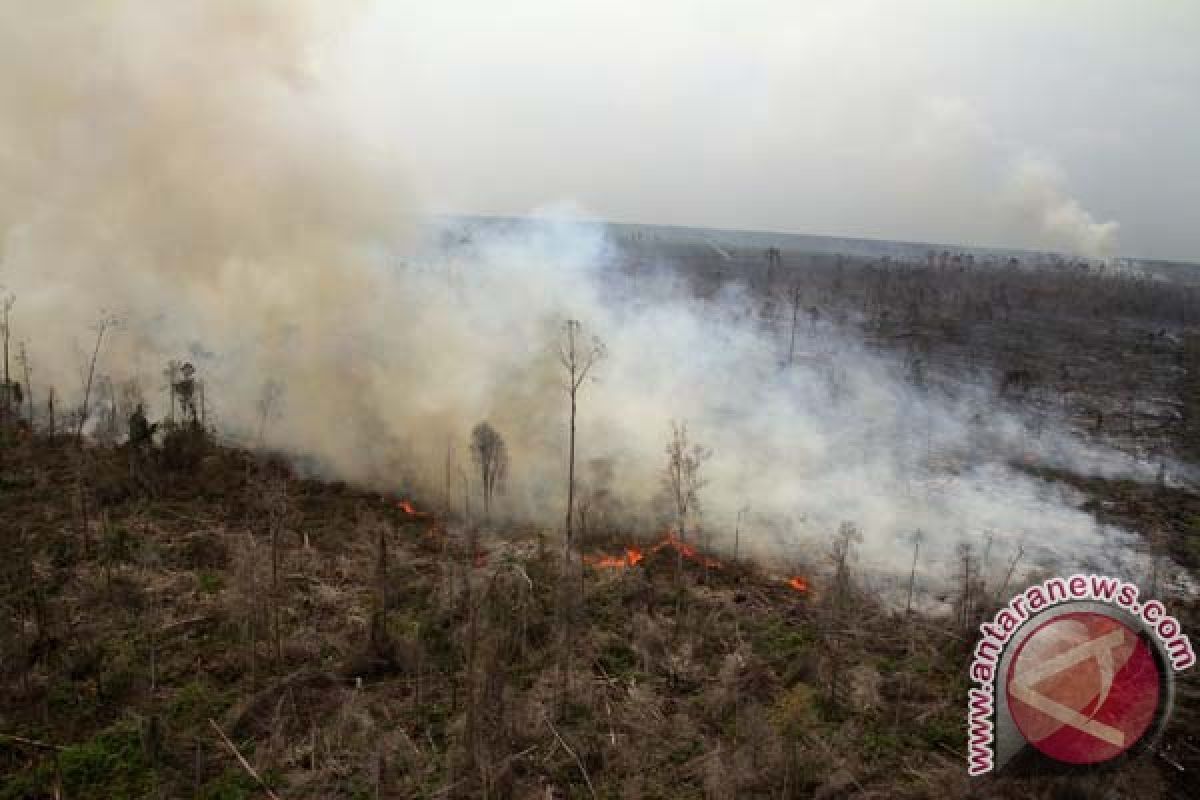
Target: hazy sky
[{"x": 1017, "y": 122}]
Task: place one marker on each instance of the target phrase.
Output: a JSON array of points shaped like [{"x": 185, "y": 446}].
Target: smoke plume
[
  {"x": 187, "y": 166},
  {"x": 1036, "y": 194},
  {"x": 181, "y": 165}
]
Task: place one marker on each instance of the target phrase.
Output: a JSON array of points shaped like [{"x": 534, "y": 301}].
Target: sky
[{"x": 1070, "y": 124}]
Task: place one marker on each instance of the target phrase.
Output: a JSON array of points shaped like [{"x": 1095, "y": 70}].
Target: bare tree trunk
[
  {"x": 379, "y": 627},
  {"x": 101, "y": 327},
  {"x": 5, "y": 408},
  {"x": 472, "y": 722},
  {"x": 28, "y": 386},
  {"x": 912, "y": 575},
  {"x": 81, "y": 491},
  {"x": 570, "y": 483},
  {"x": 275, "y": 588},
  {"x": 449, "y": 475},
  {"x": 1012, "y": 566},
  {"x": 565, "y": 603},
  {"x": 7, "y": 308},
  {"x": 466, "y": 496},
  {"x": 795, "y": 315},
  {"x": 576, "y": 365}
]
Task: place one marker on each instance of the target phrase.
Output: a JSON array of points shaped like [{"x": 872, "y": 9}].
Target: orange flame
[
  {"x": 799, "y": 584},
  {"x": 686, "y": 550},
  {"x": 633, "y": 556},
  {"x": 407, "y": 508}
]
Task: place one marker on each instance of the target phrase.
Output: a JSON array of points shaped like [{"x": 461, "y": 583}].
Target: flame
[
  {"x": 798, "y": 583},
  {"x": 633, "y": 556},
  {"x": 407, "y": 507},
  {"x": 686, "y": 550}
]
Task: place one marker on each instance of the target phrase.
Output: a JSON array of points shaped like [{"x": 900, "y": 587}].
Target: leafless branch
[
  {"x": 242, "y": 760},
  {"x": 574, "y": 755}
]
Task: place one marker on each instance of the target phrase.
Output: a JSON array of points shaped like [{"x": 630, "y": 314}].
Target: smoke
[
  {"x": 840, "y": 435},
  {"x": 991, "y": 188},
  {"x": 1036, "y": 193},
  {"x": 189, "y": 167},
  {"x": 183, "y": 166}
]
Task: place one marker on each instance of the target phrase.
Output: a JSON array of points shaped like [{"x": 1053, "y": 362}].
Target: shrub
[
  {"x": 110, "y": 766},
  {"x": 232, "y": 784}
]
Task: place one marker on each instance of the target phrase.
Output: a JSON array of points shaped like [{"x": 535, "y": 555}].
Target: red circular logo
[{"x": 1083, "y": 688}]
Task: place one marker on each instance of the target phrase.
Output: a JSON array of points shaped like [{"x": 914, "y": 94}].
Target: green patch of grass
[
  {"x": 574, "y": 713},
  {"x": 685, "y": 750},
  {"x": 441, "y": 650},
  {"x": 618, "y": 659},
  {"x": 232, "y": 784},
  {"x": 797, "y": 711},
  {"x": 780, "y": 642},
  {"x": 110, "y": 766},
  {"x": 943, "y": 731},
  {"x": 209, "y": 582},
  {"x": 879, "y": 744},
  {"x": 118, "y": 545},
  {"x": 194, "y": 703}
]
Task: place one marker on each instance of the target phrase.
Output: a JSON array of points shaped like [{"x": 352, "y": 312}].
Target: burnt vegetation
[{"x": 184, "y": 618}]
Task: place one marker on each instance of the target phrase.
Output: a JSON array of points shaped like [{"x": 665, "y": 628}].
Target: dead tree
[
  {"x": 171, "y": 373},
  {"x": 379, "y": 639},
  {"x": 969, "y": 587},
  {"x": 102, "y": 326},
  {"x": 737, "y": 531},
  {"x": 1012, "y": 566},
  {"x": 50, "y": 420},
  {"x": 578, "y": 356},
  {"x": 6, "y": 305},
  {"x": 796, "y": 297},
  {"x": 9, "y": 397},
  {"x": 466, "y": 488},
  {"x": 841, "y": 553},
  {"x": 185, "y": 391},
  {"x": 451, "y": 464},
  {"x": 269, "y": 399},
  {"x": 491, "y": 459},
  {"x": 912, "y": 575},
  {"x": 23, "y": 360},
  {"x": 277, "y": 517},
  {"x": 683, "y": 480}
]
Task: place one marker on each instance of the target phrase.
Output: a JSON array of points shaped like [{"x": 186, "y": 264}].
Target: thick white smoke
[
  {"x": 840, "y": 435},
  {"x": 1035, "y": 192},
  {"x": 185, "y": 165}
]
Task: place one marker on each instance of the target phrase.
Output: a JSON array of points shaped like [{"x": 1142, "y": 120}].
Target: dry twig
[
  {"x": 242, "y": 760},
  {"x": 574, "y": 755},
  {"x": 8, "y": 737}
]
